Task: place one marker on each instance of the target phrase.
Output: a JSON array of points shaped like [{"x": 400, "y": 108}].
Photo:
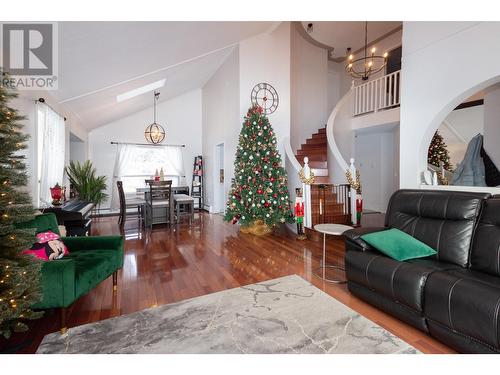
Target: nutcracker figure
[
  {"x": 359, "y": 208},
  {"x": 299, "y": 214}
]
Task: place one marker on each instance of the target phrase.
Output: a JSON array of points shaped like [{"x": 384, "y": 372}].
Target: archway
[{"x": 448, "y": 109}]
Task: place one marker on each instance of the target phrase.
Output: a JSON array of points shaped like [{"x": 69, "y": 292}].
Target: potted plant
[{"x": 86, "y": 183}]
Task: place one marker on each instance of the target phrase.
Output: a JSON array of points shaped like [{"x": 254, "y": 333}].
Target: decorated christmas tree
[
  {"x": 259, "y": 191},
  {"x": 19, "y": 274},
  {"x": 438, "y": 153}
]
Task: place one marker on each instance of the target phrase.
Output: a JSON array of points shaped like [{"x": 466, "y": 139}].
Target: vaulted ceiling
[{"x": 99, "y": 60}]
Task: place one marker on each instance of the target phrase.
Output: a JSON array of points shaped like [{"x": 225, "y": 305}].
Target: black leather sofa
[{"x": 453, "y": 296}]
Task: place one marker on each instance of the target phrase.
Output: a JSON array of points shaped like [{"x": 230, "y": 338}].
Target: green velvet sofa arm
[
  {"x": 58, "y": 284},
  {"x": 75, "y": 244},
  {"x": 93, "y": 243}
]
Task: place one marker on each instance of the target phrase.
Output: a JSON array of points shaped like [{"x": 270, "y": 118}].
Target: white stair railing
[
  {"x": 293, "y": 180},
  {"x": 334, "y": 149},
  {"x": 380, "y": 93}
]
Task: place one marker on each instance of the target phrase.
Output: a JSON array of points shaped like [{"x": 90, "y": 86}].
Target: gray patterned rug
[{"x": 285, "y": 315}]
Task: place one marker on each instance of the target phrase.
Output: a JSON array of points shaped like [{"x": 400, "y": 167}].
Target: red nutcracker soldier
[
  {"x": 299, "y": 214},
  {"x": 359, "y": 208}
]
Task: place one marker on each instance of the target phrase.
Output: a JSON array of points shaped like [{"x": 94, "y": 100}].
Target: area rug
[{"x": 284, "y": 315}]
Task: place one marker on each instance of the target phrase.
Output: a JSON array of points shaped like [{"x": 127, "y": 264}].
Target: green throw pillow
[{"x": 398, "y": 245}]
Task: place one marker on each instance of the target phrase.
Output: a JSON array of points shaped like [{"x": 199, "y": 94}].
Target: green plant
[{"x": 84, "y": 180}]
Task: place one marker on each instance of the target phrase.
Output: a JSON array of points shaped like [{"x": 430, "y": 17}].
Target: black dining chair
[
  {"x": 159, "y": 203},
  {"x": 125, "y": 203}
]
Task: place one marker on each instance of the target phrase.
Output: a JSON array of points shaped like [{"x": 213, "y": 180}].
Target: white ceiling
[
  {"x": 99, "y": 60},
  {"x": 343, "y": 34}
]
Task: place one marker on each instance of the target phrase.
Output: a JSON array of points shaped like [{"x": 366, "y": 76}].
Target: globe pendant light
[{"x": 154, "y": 133}]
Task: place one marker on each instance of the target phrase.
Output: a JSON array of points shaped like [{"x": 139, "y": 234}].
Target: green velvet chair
[{"x": 90, "y": 261}]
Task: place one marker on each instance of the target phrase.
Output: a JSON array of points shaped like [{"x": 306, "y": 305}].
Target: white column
[{"x": 352, "y": 168}]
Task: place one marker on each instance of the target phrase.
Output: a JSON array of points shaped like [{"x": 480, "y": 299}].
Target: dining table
[{"x": 180, "y": 191}]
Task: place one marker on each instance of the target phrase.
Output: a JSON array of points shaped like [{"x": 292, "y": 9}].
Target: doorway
[
  {"x": 219, "y": 180},
  {"x": 377, "y": 157},
  {"x": 76, "y": 148}
]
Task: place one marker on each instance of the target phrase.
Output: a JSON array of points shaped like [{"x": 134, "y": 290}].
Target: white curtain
[
  {"x": 174, "y": 164},
  {"x": 51, "y": 153},
  {"x": 135, "y": 163},
  {"x": 124, "y": 155}
]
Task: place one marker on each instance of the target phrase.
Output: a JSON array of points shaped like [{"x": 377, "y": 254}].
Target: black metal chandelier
[
  {"x": 154, "y": 133},
  {"x": 364, "y": 67}
]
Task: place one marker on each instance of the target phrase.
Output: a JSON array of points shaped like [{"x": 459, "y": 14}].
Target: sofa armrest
[
  {"x": 93, "y": 243},
  {"x": 90, "y": 243},
  {"x": 353, "y": 239},
  {"x": 58, "y": 284}
]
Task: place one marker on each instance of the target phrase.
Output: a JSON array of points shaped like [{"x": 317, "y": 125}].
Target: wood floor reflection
[{"x": 166, "y": 265}]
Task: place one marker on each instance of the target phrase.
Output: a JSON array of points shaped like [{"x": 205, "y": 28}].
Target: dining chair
[
  {"x": 159, "y": 203},
  {"x": 129, "y": 202}
]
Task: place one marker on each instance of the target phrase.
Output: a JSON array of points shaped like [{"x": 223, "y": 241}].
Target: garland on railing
[
  {"x": 356, "y": 185},
  {"x": 304, "y": 179}
]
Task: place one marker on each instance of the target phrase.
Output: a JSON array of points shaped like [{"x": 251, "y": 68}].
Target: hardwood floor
[{"x": 171, "y": 264}]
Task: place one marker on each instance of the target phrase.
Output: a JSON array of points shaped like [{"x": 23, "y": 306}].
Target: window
[
  {"x": 135, "y": 163},
  {"x": 50, "y": 151}
]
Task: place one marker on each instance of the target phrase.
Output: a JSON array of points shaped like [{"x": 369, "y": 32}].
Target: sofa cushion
[
  {"x": 467, "y": 302},
  {"x": 42, "y": 223},
  {"x": 403, "y": 282},
  {"x": 353, "y": 239},
  {"x": 485, "y": 254},
  {"x": 444, "y": 220},
  {"x": 92, "y": 267},
  {"x": 398, "y": 245}
]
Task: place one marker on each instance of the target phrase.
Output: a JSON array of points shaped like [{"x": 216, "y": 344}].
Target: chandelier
[
  {"x": 154, "y": 133},
  {"x": 364, "y": 67}
]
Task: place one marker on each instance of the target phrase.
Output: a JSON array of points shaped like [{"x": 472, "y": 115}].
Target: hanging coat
[{"x": 470, "y": 172}]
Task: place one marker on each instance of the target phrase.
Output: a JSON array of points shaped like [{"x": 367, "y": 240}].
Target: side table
[{"x": 334, "y": 230}]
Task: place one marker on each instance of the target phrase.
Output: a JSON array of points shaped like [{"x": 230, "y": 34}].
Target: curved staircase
[{"x": 316, "y": 149}]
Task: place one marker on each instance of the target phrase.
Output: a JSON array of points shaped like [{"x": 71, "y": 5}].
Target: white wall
[
  {"x": 181, "y": 118},
  {"x": 344, "y": 138},
  {"x": 335, "y": 80},
  {"x": 309, "y": 89},
  {"x": 376, "y": 160},
  {"x": 77, "y": 151},
  {"x": 266, "y": 58},
  {"x": 443, "y": 64},
  {"x": 25, "y": 103},
  {"x": 492, "y": 125},
  {"x": 221, "y": 122}
]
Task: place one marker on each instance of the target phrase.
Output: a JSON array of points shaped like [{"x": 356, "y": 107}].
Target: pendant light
[
  {"x": 154, "y": 133},
  {"x": 367, "y": 65}
]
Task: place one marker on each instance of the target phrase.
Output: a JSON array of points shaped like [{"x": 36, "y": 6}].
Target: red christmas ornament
[
  {"x": 275, "y": 195},
  {"x": 266, "y": 204},
  {"x": 260, "y": 191},
  {"x": 271, "y": 179}
]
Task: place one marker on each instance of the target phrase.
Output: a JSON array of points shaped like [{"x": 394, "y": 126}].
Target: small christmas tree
[
  {"x": 259, "y": 189},
  {"x": 438, "y": 154},
  {"x": 19, "y": 274}
]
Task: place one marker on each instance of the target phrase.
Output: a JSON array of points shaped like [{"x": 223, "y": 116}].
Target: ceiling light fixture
[
  {"x": 140, "y": 90},
  {"x": 154, "y": 133},
  {"x": 364, "y": 67}
]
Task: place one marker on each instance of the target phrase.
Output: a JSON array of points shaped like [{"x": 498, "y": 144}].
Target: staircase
[{"x": 315, "y": 149}]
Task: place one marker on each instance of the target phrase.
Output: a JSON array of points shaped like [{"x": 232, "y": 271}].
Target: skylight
[{"x": 140, "y": 90}]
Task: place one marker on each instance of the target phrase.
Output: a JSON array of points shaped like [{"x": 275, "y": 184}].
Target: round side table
[{"x": 334, "y": 230}]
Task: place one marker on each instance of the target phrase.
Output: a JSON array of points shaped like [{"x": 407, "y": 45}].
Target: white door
[{"x": 219, "y": 180}]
